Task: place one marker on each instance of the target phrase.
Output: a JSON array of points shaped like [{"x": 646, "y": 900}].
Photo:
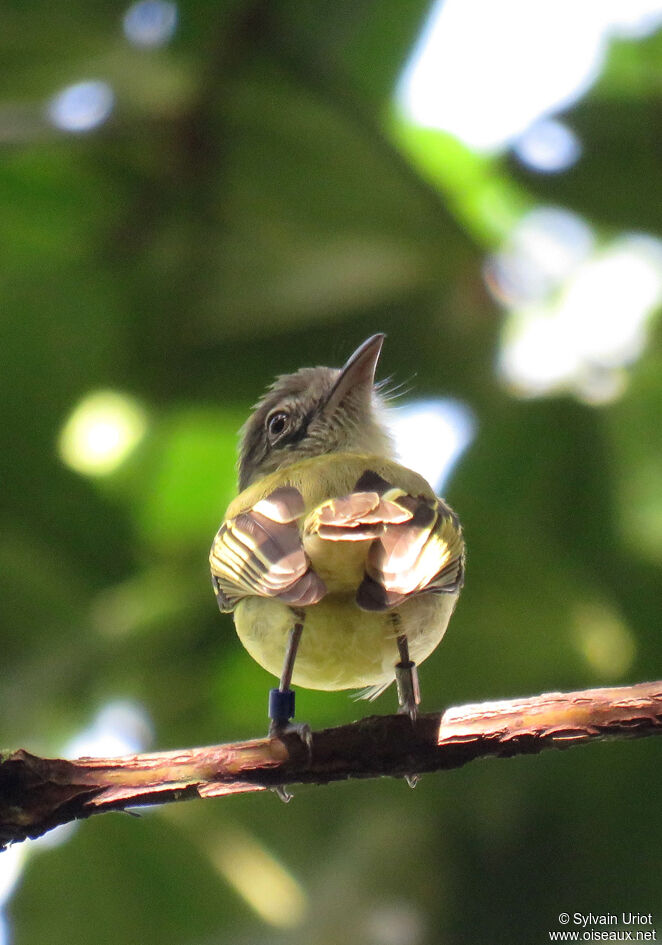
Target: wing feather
[
  {"x": 416, "y": 543},
  {"x": 359, "y": 516},
  {"x": 259, "y": 552},
  {"x": 422, "y": 555}
]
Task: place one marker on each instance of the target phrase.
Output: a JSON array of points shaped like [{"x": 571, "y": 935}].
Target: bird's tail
[{"x": 371, "y": 692}]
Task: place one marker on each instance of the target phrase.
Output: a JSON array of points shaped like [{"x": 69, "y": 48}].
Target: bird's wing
[
  {"x": 359, "y": 516},
  {"x": 259, "y": 552},
  {"x": 416, "y": 541},
  {"x": 422, "y": 555}
]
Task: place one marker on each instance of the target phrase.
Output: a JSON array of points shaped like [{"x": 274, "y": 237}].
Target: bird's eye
[{"x": 277, "y": 423}]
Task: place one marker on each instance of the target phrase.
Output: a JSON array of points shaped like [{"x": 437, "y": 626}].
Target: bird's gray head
[{"x": 315, "y": 411}]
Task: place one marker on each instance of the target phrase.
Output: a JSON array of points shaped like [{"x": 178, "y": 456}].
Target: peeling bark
[{"x": 37, "y": 794}]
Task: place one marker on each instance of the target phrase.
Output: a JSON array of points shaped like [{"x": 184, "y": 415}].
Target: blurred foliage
[{"x": 249, "y": 208}]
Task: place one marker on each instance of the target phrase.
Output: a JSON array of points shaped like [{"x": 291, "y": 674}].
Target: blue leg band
[{"x": 281, "y": 704}]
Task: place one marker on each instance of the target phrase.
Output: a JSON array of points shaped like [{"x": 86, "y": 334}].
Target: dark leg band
[{"x": 281, "y": 705}]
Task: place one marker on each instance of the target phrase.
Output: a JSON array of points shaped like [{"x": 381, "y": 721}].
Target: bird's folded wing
[
  {"x": 259, "y": 552},
  {"x": 359, "y": 516},
  {"x": 423, "y": 555},
  {"x": 416, "y": 541}
]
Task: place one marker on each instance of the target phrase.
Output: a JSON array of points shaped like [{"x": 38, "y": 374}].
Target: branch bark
[{"x": 37, "y": 794}]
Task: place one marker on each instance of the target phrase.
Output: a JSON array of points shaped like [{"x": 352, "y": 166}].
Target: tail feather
[{"x": 371, "y": 692}]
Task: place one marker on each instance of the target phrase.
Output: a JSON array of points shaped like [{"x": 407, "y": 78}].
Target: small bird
[{"x": 341, "y": 566}]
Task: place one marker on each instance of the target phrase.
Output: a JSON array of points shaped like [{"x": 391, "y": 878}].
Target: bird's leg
[
  {"x": 281, "y": 700},
  {"x": 409, "y": 693},
  {"x": 406, "y": 679}
]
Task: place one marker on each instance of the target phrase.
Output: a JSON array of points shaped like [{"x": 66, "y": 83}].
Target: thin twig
[{"x": 37, "y": 794}]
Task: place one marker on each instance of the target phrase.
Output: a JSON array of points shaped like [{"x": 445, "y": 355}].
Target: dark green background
[{"x": 247, "y": 210}]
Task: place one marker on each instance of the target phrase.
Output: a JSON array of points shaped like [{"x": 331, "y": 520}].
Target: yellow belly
[{"x": 342, "y": 647}]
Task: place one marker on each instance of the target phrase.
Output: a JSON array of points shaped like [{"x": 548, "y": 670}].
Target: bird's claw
[
  {"x": 281, "y": 791},
  {"x": 277, "y": 727},
  {"x": 410, "y": 709}
]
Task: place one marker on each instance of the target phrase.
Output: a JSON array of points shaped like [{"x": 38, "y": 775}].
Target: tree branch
[{"x": 37, "y": 794}]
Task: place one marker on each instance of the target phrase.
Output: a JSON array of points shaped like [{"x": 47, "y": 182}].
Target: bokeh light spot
[
  {"x": 150, "y": 23},
  {"x": 101, "y": 432},
  {"x": 580, "y": 337},
  {"x": 395, "y": 923},
  {"x": 542, "y": 250},
  {"x": 259, "y": 878},
  {"x": 12, "y": 862},
  {"x": 603, "y": 639},
  {"x": 119, "y": 728},
  {"x": 486, "y": 71},
  {"x": 431, "y": 435},
  {"x": 548, "y": 146},
  {"x": 81, "y": 107}
]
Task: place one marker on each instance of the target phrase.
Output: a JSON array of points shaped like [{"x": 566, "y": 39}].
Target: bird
[{"x": 341, "y": 566}]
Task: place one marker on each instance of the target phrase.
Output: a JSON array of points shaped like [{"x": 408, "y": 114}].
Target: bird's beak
[{"x": 358, "y": 374}]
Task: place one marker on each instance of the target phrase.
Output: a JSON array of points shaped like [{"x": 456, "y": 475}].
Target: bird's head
[{"x": 315, "y": 411}]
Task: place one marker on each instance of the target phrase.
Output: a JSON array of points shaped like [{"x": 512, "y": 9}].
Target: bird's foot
[
  {"x": 409, "y": 697},
  {"x": 410, "y": 709},
  {"x": 281, "y": 713},
  {"x": 278, "y": 727}
]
